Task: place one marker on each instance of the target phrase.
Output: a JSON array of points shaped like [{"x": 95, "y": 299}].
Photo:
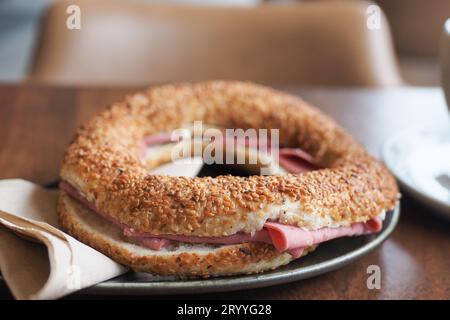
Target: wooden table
[{"x": 36, "y": 124}]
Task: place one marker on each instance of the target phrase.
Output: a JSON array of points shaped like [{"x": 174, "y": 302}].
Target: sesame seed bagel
[
  {"x": 186, "y": 261},
  {"x": 103, "y": 163}
]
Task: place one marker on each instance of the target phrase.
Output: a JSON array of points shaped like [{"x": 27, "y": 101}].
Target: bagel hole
[{"x": 214, "y": 170}]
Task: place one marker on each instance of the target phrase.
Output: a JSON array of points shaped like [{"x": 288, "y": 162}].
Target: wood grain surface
[{"x": 37, "y": 123}]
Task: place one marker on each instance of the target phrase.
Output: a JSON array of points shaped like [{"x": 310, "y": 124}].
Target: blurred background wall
[
  {"x": 19, "y": 28},
  {"x": 416, "y": 26}
]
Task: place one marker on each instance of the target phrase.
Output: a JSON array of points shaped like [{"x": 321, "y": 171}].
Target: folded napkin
[{"x": 37, "y": 259}]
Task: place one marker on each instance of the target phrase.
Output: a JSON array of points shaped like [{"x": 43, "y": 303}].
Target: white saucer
[{"x": 420, "y": 159}]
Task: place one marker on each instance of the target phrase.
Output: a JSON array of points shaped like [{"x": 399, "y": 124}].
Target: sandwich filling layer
[{"x": 284, "y": 238}]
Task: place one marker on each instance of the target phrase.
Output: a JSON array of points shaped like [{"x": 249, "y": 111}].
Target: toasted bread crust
[
  {"x": 224, "y": 260},
  {"x": 103, "y": 163}
]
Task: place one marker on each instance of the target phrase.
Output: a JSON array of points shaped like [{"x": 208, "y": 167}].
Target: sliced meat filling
[
  {"x": 283, "y": 237},
  {"x": 293, "y": 160}
]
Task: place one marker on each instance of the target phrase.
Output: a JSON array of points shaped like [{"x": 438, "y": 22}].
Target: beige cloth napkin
[{"x": 37, "y": 259}]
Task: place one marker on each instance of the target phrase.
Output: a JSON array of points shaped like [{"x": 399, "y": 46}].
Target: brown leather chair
[{"x": 126, "y": 43}]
